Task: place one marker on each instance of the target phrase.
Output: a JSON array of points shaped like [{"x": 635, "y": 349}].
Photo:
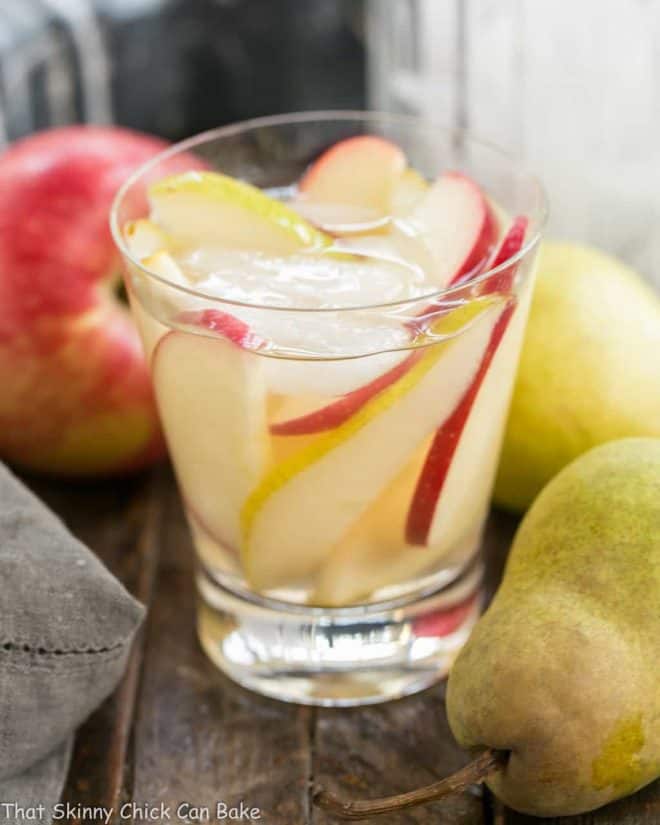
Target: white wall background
[{"x": 572, "y": 87}]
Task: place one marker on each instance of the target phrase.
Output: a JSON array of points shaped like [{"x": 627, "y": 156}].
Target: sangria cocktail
[{"x": 333, "y": 308}]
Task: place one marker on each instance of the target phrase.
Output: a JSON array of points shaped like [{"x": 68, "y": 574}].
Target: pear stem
[{"x": 474, "y": 773}]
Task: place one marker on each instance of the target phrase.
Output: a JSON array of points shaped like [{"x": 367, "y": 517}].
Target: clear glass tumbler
[{"x": 336, "y": 488}]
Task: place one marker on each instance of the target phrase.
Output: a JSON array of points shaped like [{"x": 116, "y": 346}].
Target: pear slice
[
  {"x": 144, "y": 238},
  {"x": 207, "y": 207},
  {"x": 152, "y": 302},
  {"x": 212, "y": 400},
  {"x": 303, "y": 506}
]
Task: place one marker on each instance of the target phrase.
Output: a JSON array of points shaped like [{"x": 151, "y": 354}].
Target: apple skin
[
  {"x": 335, "y": 413},
  {"x": 438, "y": 460},
  {"x": 76, "y": 393}
]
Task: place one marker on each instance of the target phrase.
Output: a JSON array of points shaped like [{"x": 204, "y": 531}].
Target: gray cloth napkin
[{"x": 66, "y": 628}]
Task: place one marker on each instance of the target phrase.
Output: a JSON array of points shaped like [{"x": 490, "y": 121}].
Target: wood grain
[
  {"x": 199, "y": 738},
  {"x": 380, "y": 750}
]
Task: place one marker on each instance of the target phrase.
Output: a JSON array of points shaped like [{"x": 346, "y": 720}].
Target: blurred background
[{"x": 574, "y": 91}]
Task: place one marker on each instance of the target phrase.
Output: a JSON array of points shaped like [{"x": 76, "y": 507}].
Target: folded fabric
[
  {"x": 37, "y": 789},
  {"x": 66, "y": 627}
]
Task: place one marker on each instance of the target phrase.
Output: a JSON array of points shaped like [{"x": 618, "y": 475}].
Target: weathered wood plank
[
  {"x": 385, "y": 749},
  {"x": 199, "y": 738},
  {"x": 396, "y": 747}
]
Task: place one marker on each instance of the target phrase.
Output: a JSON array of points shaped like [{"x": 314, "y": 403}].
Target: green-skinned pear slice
[
  {"x": 212, "y": 400},
  {"x": 304, "y": 505},
  {"x": 207, "y": 207},
  {"x": 152, "y": 301},
  {"x": 144, "y": 238}
]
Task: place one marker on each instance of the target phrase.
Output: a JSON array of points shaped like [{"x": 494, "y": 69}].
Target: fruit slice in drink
[
  {"x": 303, "y": 506},
  {"x": 207, "y": 207},
  {"x": 423, "y": 522},
  {"x": 358, "y": 186},
  {"x": 375, "y": 553},
  {"x": 457, "y": 225},
  {"x": 149, "y": 245},
  {"x": 212, "y": 399},
  {"x": 144, "y": 238},
  {"x": 361, "y": 171},
  {"x": 336, "y": 413}
]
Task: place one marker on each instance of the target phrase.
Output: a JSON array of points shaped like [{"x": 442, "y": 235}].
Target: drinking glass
[{"x": 335, "y": 480}]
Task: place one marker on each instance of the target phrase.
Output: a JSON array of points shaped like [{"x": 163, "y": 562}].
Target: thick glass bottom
[{"x": 337, "y": 657}]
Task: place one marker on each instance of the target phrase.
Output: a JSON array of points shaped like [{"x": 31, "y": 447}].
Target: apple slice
[
  {"x": 207, "y": 207},
  {"x": 456, "y": 223},
  {"x": 212, "y": 401},
  {"x": 510, "y": 246},
  {"x": 305, "y": 504},
  {"x": 421, "y": 516},
  {"x": 361, "y": 170},
  {"x": 444, "y": 622},
  {"x": 374, "y": 553},
  {"x": 334, "y": 414}
]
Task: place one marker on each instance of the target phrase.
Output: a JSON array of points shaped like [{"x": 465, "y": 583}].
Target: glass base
[{"x": 337, "y": 657}]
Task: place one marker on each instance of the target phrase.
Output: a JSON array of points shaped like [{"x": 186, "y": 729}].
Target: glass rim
[{"x": 233, "y": 129}]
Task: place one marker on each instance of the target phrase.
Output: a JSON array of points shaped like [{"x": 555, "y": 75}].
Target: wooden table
[{"x": 178, "y": 731}]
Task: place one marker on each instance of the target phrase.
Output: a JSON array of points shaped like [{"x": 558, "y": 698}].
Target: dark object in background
[{"x": 175, "y": 67}]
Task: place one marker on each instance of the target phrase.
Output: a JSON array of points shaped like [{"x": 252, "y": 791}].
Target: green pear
[
  {"x": 589, "y": 370},
  {"x": 563, "y": 670}
]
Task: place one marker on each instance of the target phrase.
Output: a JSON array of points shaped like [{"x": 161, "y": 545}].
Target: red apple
[
  {"x": 76, "y": 394},
  {"x": 442, "y": 449}
]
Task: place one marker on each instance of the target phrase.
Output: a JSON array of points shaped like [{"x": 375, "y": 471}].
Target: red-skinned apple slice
[
  {"x": 457, "y": 225},
  {"x": 510, "y": 246},
  {"x": 442, "y": 623},
  {"x": 334, "y": 414},
  {"x": 439, "y": 459},
  {"x": 304, "y": 505},
  {"x": 361, "y": 171},
  {"x": 463, "y": 191},
  {"x": 374, "y": 554},
  {"x": 226, "y": 325},
  {"x": 212, "y": 400}
]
